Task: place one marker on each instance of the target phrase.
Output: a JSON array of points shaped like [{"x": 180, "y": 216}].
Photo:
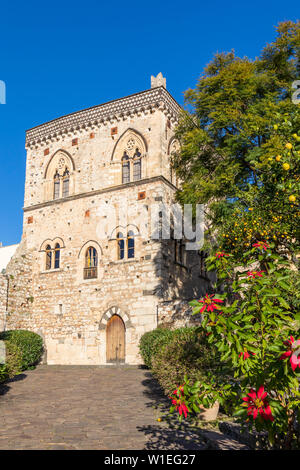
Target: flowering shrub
[
  {"x": 251, "y": 319},
  {"x": 240, "y": 156},
  {"x": 255, "y": 337}
]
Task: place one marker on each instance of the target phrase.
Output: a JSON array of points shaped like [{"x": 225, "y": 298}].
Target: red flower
[
  {"x": 209, "y": 303},
  {"x": 263, "y": 245},
  {"x": 257, "y": 403},
  {"x": 179, "y": 391},
  {"x": 254, "y": 274},
  {"x": 246, "y": 354},
  {"x": 220, "y": 254},
  {"x": 294, "y": 356},
  {"x": 178, "y": 402},
  {"x": 180, "y": 405}
]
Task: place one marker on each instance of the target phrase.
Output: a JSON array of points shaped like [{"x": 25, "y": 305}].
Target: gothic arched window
[
  {"x": 48, "y": 257},
  {"x": 59, "y": 176},
  {"x": 130, "y": 244},
  {"x": 137, "y": 166},
  {"x": 66, "y": 183},
  {"x": 56, "y": 193},
  {"x": 121, "y": 245},
  {"x": 57, "y": 256},
  {"x": 91, "y": 263},
  {"x": 125, "y": 168}
]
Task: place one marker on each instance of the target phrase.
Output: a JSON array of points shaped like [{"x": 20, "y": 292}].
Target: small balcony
[{"x": 90, "y": 273}]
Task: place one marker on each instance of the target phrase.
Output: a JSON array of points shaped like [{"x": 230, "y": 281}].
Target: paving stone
[{"x": 50, "y": 408}]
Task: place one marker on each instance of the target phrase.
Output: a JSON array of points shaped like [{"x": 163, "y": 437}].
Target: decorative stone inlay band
[{"x": 145, "y": 100}]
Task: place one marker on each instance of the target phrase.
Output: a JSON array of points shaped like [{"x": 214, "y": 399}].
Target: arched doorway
[{"x": 115, "y": 340}]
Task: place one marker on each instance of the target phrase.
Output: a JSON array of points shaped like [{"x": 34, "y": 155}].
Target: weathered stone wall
[
  {"x": 3, "y": 300},
  {"x": 176, "y": 314},
  {"x": 20, "y": 288},
  {"x": 66, "y": 309}
]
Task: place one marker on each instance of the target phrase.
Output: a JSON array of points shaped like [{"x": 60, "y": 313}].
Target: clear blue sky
[{"x": 59, "y": 57}]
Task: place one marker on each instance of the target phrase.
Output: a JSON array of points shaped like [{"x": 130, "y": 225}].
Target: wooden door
[{"x": 115, "y": 340}]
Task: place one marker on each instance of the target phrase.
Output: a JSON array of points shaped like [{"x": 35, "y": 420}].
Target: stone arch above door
[{"x": 114, "y": 311}]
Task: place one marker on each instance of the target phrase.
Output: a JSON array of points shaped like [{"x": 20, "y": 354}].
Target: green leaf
[{"x": 283, "y": 303}]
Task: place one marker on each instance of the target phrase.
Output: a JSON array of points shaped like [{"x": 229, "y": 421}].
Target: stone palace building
[{"x": 92, "y": 288}]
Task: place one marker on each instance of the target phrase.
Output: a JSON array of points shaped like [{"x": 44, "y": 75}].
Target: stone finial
[{"x": 160, "y": 80}]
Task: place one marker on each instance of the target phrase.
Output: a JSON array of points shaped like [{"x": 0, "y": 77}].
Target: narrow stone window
[
  {"x": 130, "y": 245},
  {"x": 66, "y": 183},
  {"x": 180, "y": 252},
  {"x": 48, "y": 257},
  {"x": 137, "y": 166},
  {"x": 91, "y": 264},
  {"x": 203, "y": 257},
  {"x": 125, "y": 169},
  {"x": 121, "y": 245},
  {"x": 57, "y": 256},
  {"x": 56, "y": 186}
]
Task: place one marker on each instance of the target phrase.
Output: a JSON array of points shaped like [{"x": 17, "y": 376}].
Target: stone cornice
[
  {"x": 145, "y": 101},
  {"x": 100, "y": 191}
]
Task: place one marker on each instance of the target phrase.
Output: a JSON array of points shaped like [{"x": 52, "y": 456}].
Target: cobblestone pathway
[{"x": 83, "y": 407}]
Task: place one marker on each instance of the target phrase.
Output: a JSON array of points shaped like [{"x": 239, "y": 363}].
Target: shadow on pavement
[
  {"x": 4, "y": 387},
  {"x": 170, "y": 433},
  {"x": 166, "y": 438}
]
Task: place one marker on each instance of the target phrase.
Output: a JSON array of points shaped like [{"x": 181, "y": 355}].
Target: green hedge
[
  {"x": 3, "y": 373},
  {"x": 176, "y": 353},
  {"x": 29, "y": 345},
  {"x": 149, "y": 343},
  {"x": 13, "y": 359}
]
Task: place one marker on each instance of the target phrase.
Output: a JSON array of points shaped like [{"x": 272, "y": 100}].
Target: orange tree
[{"x": 240, "y": 151}]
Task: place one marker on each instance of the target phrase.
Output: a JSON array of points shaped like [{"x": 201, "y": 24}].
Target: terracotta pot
[{"x": 209, "y": 414}]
